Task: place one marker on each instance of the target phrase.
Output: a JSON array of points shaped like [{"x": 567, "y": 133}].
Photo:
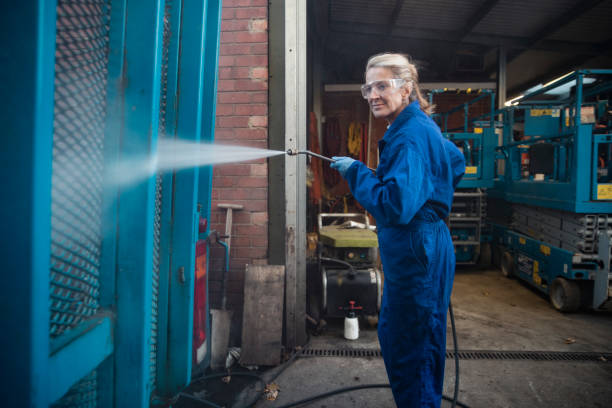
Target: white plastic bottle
[{"x": 351, "y": 326}]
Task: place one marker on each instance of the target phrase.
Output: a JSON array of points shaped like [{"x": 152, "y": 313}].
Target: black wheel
[
  {"x": 484, "y": 260},
  {"x": 507, "y": 264},
  {"x": 565, "y": 295}
]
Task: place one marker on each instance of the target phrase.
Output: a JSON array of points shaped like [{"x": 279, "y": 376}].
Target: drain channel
[{"x": 474, "y": 355}]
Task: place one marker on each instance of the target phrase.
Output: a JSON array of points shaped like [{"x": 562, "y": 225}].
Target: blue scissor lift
[
  {"x": 477, "y": 141},
  {"x": 556, "y": 179},
  {"x": 97, "y": 295}
]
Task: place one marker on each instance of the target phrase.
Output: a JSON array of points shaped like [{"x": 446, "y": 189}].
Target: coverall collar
[{"x": 409, "y": 111}]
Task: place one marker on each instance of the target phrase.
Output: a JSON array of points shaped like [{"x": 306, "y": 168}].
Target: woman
[{"x": 410, "y": 196}]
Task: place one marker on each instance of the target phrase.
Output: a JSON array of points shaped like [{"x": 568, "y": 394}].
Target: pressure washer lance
[{"x": 294, "y": 152}]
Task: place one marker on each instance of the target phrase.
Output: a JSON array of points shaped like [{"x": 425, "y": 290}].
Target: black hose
[
  {"x": 348, "y": 389},
  {"x": 452, "y": 319},
  {"x": 340, "y": 262}
]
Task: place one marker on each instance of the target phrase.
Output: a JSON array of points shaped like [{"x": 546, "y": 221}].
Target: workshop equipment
[
  {"x": 294, "y": 152},
  {"x": 344, "y": 270},
  {"x": 555, "y": 178},
  {"x": 222, "y": 318},
  {"x": 476, "y": 138}
]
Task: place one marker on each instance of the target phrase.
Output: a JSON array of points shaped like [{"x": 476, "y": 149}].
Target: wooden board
[
  {"x": 348, "y": 237},
  {"x": 262, "y": 321}
]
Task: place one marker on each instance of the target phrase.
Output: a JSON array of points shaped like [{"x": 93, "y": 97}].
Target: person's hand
[{"x": 342, "y": 164}]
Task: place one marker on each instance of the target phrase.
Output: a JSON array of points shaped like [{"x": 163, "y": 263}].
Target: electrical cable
[{"x": 339, "y": 262}]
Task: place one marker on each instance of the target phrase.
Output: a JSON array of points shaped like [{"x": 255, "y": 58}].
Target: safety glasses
[{"x": 383, "y": 87}]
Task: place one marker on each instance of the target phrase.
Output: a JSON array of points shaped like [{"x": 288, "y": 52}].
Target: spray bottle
[{"x": 351, "y": 322}]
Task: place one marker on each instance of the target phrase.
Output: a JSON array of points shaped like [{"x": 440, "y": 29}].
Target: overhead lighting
[
  {"x": 558, "y": 79},
  {"x": 513, "y": 101}
]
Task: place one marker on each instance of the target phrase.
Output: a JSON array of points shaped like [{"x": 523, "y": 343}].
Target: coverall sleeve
[
  {"x": 402, "y": 191},
  {"x": 457, "y": 162}
]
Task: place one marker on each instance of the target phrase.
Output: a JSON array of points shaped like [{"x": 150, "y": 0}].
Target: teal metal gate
[{"x": 96, "y": 304}]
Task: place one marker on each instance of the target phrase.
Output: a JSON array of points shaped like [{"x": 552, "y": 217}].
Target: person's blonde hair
[{"x": 401, "y": 67}]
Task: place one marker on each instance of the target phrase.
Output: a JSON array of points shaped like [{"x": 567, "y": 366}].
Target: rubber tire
[
  {"x": 565, "y": 295},
  {"x": 484, "y": 260},
  {"x": 496, "y": 255},
  {"x": 507, "y": 264}
]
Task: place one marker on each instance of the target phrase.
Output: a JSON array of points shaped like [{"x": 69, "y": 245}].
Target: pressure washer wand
[{"x": 293, "y": 152}]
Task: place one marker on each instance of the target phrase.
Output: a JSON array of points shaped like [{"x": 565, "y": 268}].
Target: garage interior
[
  {"x": 174, "y": 235},
  {"x": 486, "y": 54}
]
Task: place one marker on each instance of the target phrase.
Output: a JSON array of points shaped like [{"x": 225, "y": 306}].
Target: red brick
[
  {"x": 227, "y": 61},
  {"x": 235, "y": 49},
  {"x": 240, "y": 241},
  {"x": 259, "y": 242},
  {"x": 233, "y": 169},
  {"x": 251, "y": 12},
  {"x": 234, "y": 97},
  {"x": 259, "y": 49},
  {"x": 258, "y": 144},
  {"x": 226, "y": 110},
  {"x": 251, "y": 134},
  {"x": 225, "y": 73},
  {"x": 259, "y": 97},
  {"x": 227, "y": 85},
  {"x": 228, "y": 13},
  {"x": 250, "y": 85},
  {"x": 251, "y": 230},
  {"x": 251, "y": 109},
  {"x": 232, "y": 121},
  {"x": 252, "y": 182},
  {"x": 248, "y": 37},
  {"x": 259, "y": 170},
  {"x": 257, "y": 252},
  {"x": 241, "y": 217},
  {"x": 244, "y": 3},
  {"x": 235, "y": 25},
  {"x": 258, "y": 121},
  {"x": 258, "y": 25},
  {"x": 251, "y": 60},
  {"x": 241, "y": 194},
  {"x": 259, "y": 218},
  {"x": 241, "y": 73},
  {"x": 224, "y": 134},
  {"x": 259, "y": 73}
]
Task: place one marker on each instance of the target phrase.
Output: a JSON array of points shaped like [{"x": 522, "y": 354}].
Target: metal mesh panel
[
  {"x": 81, "y": 61},
  {"x": 158, "y": 200},
  {"x": 82, "y": 395}
]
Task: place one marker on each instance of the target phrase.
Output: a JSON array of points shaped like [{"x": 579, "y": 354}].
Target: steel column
[
  {"x": 143, "y": 37},
  {"x": 25, "y": 175},
  {"x": 295, "y": 172}
]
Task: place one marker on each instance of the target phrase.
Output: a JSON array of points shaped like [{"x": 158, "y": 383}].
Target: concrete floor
[{"x": 492, "y": 313}]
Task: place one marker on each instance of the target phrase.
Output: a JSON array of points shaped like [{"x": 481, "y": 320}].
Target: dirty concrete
[{"x": 492, "y": 313}]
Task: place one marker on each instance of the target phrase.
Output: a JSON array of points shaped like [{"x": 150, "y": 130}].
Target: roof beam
[
  {"x": 581, "y": 8},
  {"x": 395, "y": 14},
  {"x": 482, "y": 11},
  {"x": 381, "y": 30},
  {"x": 572, "y": 64}
]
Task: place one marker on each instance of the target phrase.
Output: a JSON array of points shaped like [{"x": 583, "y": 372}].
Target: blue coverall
[{"x": 410, "y": 196}]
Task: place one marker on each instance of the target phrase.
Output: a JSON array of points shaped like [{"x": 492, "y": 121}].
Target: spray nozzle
[{"x": 295, "y": 152}]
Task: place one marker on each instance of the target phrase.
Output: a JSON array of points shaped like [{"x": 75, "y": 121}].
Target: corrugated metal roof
[
  {"x": 439, "y": 14},
  {"x": 593, "y": 26},
  {"x": 522, "y": 18},
  {"x": 362, "y": 11}
]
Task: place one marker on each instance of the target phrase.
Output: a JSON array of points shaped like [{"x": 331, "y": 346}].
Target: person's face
[{"x": 386, "y": 98}]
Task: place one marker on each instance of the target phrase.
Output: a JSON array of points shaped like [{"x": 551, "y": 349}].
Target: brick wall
[{"x": 242, "y": 119}]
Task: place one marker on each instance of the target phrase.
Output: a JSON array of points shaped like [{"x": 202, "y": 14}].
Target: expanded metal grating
[
  {"x": 474, "y": 355},
  {"x": 158, "y": 199},
  {"x": 81, "y": 60},
  {"x": 82, "y": 395}
]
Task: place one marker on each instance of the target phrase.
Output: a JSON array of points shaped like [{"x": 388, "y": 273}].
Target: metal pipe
[{"x": 293, "y": 152}]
